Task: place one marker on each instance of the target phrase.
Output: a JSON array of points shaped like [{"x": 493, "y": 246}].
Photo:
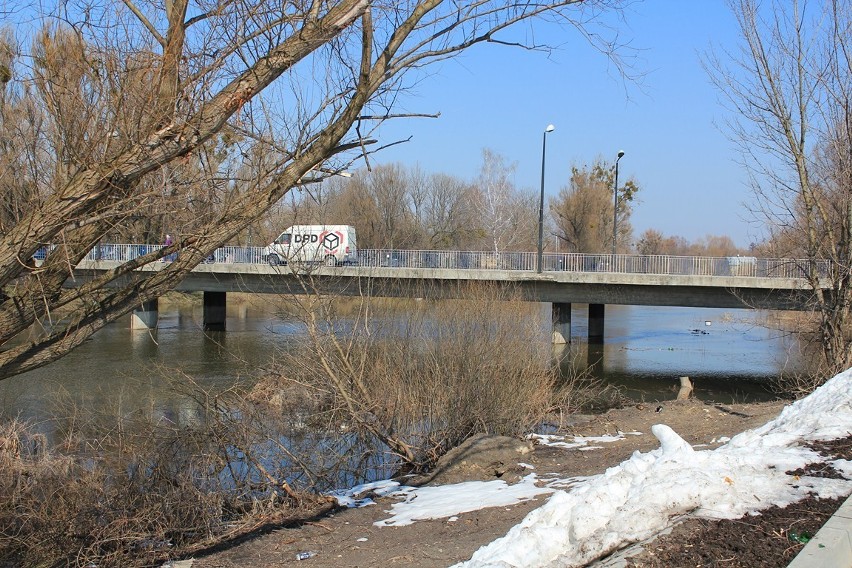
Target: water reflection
[{"x": 645, "y": 351}]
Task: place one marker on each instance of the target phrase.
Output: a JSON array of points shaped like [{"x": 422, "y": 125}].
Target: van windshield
[{"x": 283, "y": 239}]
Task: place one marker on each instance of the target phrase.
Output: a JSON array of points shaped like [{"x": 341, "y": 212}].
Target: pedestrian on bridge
[{"x": 168, "y": 242}]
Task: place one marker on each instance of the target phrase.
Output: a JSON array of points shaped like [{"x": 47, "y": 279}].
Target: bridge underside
[{"x": 694, "y": 296}]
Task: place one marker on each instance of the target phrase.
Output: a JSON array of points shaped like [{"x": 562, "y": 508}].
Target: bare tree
[
  {"x": 380, "y": 199},
  {"x": 497, "y": 193},
  {"x": 507, "y": 214},
  {"x": 395, "y": 206},
  {"x": 791, "y": 89},
  {"x": 651, "y": 242},
  {"x": 714, "y": 245},
  {"x": 388, "y": 186},
  {"x": 450, "y": 220},
  {"x": 150, "y": 87},
  {"x": 22, "y": 154}
]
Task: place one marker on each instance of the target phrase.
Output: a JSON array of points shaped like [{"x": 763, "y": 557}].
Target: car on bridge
[{"x": 331, "y": 245}]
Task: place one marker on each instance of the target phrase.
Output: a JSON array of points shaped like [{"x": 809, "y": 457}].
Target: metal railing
[
  {"x": 521, "y": 261},
  {"x": 578, "y": 262},
  {"x": 222, "y": 255}
]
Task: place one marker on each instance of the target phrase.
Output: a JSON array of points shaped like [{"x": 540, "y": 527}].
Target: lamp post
[
  {"x": 550, "y": 128},
  {"x": 615, "y": 204}
]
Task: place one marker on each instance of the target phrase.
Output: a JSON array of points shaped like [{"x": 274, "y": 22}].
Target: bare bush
[
  {"x": 580, "y": 390},
  {"x": 415, "y": 384},
  {"x": 803, "y": 365},
  {"x": 371, "y": 388},
  {"x": 91, "y": 509},
  {"x": 134, "y": 490}
]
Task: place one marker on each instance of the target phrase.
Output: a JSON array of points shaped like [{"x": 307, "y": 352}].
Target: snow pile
[
  {"x": 351, "y": 497},
  {"x": 581, "y": 443},
  {"x": 588, "y": 517},
  {"x": 445, "y": 500},
  {"x": 640, "y": 497}
]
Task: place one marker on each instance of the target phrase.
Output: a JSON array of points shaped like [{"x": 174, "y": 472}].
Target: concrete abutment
[
  {"x": 561, "y": 320},
  {"x": 145, "y": 316}
]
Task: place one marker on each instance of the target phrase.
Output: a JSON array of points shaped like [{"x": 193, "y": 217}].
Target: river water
[
  {"x": 730, "y": 355},
  {"x": 727, "y": 353}
]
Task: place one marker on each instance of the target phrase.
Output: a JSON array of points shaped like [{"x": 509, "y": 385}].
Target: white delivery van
[{"x": 303, "y": 244}]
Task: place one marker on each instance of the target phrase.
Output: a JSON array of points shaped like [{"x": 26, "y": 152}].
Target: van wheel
[
  {"x": 330, "y": 261},
  {"x": 273, "y": 260}
]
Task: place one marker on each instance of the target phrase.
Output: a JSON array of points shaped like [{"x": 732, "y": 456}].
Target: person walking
[{"x": 168, "y": 242}]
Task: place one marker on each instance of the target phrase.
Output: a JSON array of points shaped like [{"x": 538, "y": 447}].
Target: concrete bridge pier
[
  {"x": 596, "y": 323},
  {"x": 214, "y": 311},
  {"x": 561, "y": 320},
  {"x": 145, "y": 316}
]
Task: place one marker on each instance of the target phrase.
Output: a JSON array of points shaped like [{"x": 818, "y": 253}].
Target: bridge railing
[
  {"x": 684, "y": 265},
  {"x": 447, "y": 259},
  {"x": 747, "y": 266},
  {"x": 223, "y": 255},
  {"x": 523, "y": 261},
  {"x": 578, "y": 262}
]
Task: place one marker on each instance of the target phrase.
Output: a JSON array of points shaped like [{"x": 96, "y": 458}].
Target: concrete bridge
[{"x": 565, "y": 279}]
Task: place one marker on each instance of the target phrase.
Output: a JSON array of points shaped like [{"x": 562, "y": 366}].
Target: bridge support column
[
  {"x": 145, "y": 316},
  {"x": 596, "y": 323},
  {"x": 561, "y": 319},
  {"x": 214, "y": 311}
]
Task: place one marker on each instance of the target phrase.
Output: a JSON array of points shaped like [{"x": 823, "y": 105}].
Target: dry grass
[{"x": 133, "y": 490}]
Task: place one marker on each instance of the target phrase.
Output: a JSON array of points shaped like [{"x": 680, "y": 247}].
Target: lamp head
[
  {"x": 620, "y": 154},
  {"x": 550, "y": 128}
]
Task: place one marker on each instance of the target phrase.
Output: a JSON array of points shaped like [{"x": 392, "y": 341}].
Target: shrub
[{"x": 415, "y": 384}]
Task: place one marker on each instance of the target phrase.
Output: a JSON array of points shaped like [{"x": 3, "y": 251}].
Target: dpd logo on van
[{"x": 331, "y": 240}]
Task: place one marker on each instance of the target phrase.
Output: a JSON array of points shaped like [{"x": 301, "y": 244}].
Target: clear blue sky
[{"x": 669, "y": 123}]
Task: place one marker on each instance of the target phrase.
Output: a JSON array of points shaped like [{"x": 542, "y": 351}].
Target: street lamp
[
  {"x": 615, "y": 203},
  {"x": 550, "y": 128}
]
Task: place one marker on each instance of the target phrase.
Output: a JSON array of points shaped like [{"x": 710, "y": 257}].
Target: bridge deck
[{"x": 559, "y": 286}]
